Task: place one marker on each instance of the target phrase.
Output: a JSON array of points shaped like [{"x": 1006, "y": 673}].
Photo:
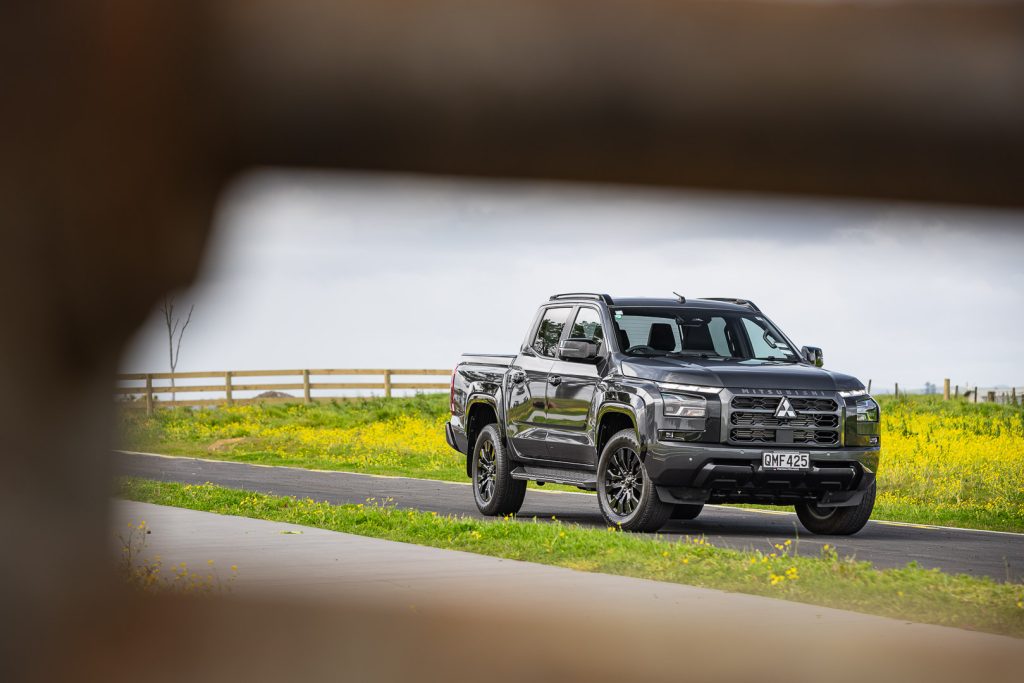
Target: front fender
[{"x": 635, "y": 399}]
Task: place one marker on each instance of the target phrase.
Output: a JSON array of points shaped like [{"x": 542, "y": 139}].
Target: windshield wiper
[{"x": 698, "y": 354}]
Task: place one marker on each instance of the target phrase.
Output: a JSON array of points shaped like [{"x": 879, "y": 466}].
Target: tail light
[{"x": 451, "y": 392}]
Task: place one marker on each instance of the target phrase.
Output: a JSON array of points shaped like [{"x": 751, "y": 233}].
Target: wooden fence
[
  {"x": 972, "y": 393},
  {"x": 145, "y": 389}
]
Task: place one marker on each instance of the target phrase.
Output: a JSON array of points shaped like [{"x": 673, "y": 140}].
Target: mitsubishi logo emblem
[{"x": 785, "y": 409}]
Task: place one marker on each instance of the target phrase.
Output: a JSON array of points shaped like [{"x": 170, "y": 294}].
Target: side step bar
[{"x": 553, "y": 475}]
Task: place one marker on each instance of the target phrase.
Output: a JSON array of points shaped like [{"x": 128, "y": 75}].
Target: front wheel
[
  {"x": 494, "y": 489},
  {"x": 833, "y": 521},
  {"x": 625, "y": 493}
]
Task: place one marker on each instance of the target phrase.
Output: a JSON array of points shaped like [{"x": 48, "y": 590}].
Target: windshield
[{"x": 684, "y": 333}]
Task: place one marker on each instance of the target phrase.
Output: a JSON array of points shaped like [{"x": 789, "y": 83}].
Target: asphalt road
[{"x": 886, "y": 544}]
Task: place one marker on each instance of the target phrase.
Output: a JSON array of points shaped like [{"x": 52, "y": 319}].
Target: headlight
[
  {"x": 853, "y": 392},
  {"x": 684, "y": 406},
  {"x": 867, "y": 410},
  {"x": 670, "y": 386}
]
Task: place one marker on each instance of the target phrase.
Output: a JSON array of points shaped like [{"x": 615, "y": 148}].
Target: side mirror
[
  {"x": 813, "y": 355},
  {"x": 577, "y": 349}
]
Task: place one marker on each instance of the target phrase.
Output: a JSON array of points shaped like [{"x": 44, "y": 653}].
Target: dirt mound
[{"x": 221, "y": 445}]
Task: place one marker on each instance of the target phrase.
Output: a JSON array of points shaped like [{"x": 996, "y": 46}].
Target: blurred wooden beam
[
  {"x": 902, "y": 100},
  {"x": 123, "y": 120}
]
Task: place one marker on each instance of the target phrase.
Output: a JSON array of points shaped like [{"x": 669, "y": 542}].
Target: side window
[
  {"x": 550, "y": 331},
  {"x": 588, "y": 326},
  {"x": 762, "y": 349}
]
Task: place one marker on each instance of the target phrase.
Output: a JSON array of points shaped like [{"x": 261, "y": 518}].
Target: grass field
[
  {"x": 910, "y": 593},
  {"x": 953, "y": 463}
]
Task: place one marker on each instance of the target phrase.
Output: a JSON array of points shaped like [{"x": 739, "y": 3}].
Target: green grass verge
[
  {"x": 402, "y": 437},
  {"x": 947, "y": 463},
  {"x": 909, "y": 593}
]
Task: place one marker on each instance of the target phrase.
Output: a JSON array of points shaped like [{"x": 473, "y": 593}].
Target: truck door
[
  {"x": 527, "y": 385},
  {"x": 571, "y": 389}
]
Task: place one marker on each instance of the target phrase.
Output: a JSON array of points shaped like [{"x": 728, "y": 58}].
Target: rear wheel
[
  {"x": 624, "y": 491},
  {"x": 834, "y": 521},
  {"x": 494, "y": 489}
]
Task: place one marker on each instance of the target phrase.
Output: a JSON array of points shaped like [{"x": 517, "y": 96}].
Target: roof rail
[
  {"x": 583, "y": 295},
  {"x": 732, "y": 300}
]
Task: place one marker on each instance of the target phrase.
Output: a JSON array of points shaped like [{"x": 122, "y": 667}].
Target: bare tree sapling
[{"x": 174, "y": 347}]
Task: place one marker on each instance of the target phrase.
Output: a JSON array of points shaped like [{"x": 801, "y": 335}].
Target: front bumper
[{"x": 698, "y": 473}]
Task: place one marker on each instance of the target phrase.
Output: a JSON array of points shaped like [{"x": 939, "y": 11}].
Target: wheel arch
[
  {"x": 481, "y": 410},
  {"x": 612, "y": 419}
]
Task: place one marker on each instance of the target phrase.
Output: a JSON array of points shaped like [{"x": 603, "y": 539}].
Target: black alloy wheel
[{"x": 625, "y": 493}]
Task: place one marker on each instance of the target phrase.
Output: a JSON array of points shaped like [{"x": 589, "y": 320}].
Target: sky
[{"x": 309, "y": 269}]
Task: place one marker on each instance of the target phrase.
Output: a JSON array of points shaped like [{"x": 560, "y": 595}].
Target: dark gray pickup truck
[{"x": 661, "y": 406}]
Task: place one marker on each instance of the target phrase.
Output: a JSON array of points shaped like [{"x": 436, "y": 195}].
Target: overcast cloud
[{"x": 333, "y": 270}]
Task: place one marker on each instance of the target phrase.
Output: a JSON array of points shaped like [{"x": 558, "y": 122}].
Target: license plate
[{"x": 784, "y": 460}]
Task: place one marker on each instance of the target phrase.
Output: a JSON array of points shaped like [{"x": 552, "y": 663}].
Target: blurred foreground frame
[{"x": 123, "y": 121}]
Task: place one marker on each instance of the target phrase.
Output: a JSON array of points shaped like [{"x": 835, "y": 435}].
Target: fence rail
[
  {"x": 154, "y": 384},
  {"x": 972, "y": 393}
]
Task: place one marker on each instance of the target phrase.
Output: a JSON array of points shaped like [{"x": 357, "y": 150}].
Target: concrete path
[{"x": 302, "y": 563}]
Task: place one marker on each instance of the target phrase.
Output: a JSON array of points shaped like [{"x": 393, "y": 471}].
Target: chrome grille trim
[{"x": 745, "y": 418}]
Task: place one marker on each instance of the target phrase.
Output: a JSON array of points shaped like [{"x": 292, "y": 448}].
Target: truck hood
[{"x": 745, "y": 374}]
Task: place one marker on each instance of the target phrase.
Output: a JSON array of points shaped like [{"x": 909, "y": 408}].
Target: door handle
[
  {"x": 517, "y": 376},
  {"x": 555, "y": 381}
]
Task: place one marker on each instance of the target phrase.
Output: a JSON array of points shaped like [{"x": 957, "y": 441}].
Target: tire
[
  {"x": 495, "y": 491},
  {"x": 625, "y": 493},
  {"x": 687, "y": 511},
  {"x": 837, "y": 521}
]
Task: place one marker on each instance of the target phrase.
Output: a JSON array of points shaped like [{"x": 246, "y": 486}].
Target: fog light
[{"x": 665, "y": 435}]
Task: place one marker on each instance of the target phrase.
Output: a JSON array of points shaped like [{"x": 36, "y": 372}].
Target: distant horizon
[{"x": 325, "y": 270}]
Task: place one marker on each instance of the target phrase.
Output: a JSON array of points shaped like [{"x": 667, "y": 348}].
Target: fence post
[
  {"x": 227, "y": 388},
  {"x": 975, "y": 394},
  {"x": 869, "y": 386},
  {"x": 149, "y": 394},
  {"x": 897, "y": 389},
  {"x": 956, "y": 391},
  {"x": 945, "y": 389},
  {"x": 305, "y": 386},
  {"x": 1013, "y": 395},
  {"x": 387, "y": 384},
  {"x": 991, "y": 397}
]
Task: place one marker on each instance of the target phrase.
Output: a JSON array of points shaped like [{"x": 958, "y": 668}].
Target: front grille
[
  {"x": 756, "y": 402},
  {"x": 752, "y": 420},
  {"x": 811, "y": 436},
  {"x": 816, "y": 405},
  {"x": 753, "y": 435},
  {"x": 808, "y": 437},
  {"x": 742, "y": 418}
]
